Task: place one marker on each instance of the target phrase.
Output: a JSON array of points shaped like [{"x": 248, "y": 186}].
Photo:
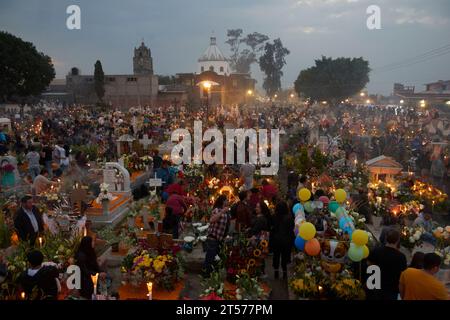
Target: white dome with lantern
[{"x": 213, "y": 60}]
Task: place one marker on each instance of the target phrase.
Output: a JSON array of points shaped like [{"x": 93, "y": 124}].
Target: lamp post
[{"x": 207, "y": 87}]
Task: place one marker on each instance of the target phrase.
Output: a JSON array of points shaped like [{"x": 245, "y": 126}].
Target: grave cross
[{"x": 145, "y": 141}]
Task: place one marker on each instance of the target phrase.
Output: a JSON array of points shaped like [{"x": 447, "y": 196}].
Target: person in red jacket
[
  {"x": 268, "y": 191},
  {"x": 178, "y": 205}
]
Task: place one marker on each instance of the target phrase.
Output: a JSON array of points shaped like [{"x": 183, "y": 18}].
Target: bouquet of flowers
[
  {"x": 442, "y": 236},
  {"x": 358, "y": 220},
  {"x": 213, "y": 287},
  {"x": 104, "y": 194},
  {"x": 147, "y": 160},
  {"x": 444, "y": 253},
  {"x": 304, "y": 287},
  {"x": 347, "y": 288},
  {"x": 163, "y": 269},
  {"x": 248, "y": 288},
  {"x": 411, "y": 236},
  {"x": 7, "y": 167},
  {"x": 244, "y": 256}
]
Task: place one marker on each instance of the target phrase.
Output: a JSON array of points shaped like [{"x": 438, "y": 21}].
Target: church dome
[{"x": 212, "y": 53}]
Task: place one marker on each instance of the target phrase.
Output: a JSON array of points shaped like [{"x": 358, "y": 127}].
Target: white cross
[{"x": 145, "y": 141}]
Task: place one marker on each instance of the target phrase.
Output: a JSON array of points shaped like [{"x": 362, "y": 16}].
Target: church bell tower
[{"x": 142, "y": 60}]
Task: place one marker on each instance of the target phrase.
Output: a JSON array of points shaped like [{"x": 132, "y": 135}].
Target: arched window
[
  {"x": 202, "y": 68},
  {"x": 211, "y": 68},
  {"x": 221, "y": 69}
]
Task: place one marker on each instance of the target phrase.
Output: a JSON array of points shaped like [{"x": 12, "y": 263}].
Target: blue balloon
[
  {"x": 342, "y": 222},
  {"x": 300, "y": 243},
  {"x": 296, "y": 207}
]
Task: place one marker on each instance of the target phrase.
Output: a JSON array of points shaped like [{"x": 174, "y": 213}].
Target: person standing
[
  {"x": 282, "y": 238},
  {"x": 28, "y": 221},
  {"x": 391, "y": 263},
  {"x": 217, "y": 231},
  {"x": 86, "y": 259},
  {"x": 47, "y": 158},
  {"x": 417, "y": 284},
  {"x": 178, "y": 205},
  {"x": 33, "y": 158}
]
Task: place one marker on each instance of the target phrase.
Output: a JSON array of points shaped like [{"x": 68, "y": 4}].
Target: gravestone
[
  {"x": 13, "y": 161},
  {"x": 146, "y": 142},
  {"x": 122, "y": 182}
]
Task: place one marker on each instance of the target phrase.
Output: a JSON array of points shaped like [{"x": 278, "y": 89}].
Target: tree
[
  {"x": 23, "y": 70},
  {"x": 272, "y": 63},
  {"x": 166, "y": 79},
  {"x": 333, "y": 80},
  {"x": 241, "y": 60},
  {"x": 99, "y": 80}
]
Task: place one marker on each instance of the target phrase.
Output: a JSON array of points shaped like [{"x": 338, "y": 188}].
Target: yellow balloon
[
  {"x": 340, "y": 195},
  {"x": 304, "y": 194},
  {"x": 307, "y": 231},
  {"x": 360, "y": 237},
  {"x": 366, "y": 251}
]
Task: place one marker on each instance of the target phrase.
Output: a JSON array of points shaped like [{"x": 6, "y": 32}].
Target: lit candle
[
  {"x": 40, "y": 242},
  {"x": 94, "y": 280},
  {"x": 150, "y": 290},
  {"x": 22, "y": 295},
  {"x": 85, "y": 232}
]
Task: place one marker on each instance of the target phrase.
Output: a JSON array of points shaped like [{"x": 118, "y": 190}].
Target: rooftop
[{"x": 212, "y": 53}]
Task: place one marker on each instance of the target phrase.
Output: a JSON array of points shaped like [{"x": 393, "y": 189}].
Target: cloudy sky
[{"x": 178, "y": 31}]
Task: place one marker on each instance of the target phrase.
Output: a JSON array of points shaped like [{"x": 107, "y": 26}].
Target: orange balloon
[{"x": 312, "y": 247}]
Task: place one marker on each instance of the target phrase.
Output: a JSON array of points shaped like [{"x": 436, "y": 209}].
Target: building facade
[
  {"x": 435, "y": 93},
  {"x": 122, "y": 91}
]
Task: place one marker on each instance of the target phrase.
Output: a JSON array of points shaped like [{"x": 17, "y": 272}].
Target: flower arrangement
[
  {"x": 163, "y": 269},
  {"x": 445, "y": 255},
  {"x": 411, "y": 236},
  {"x": 7, "y": 167},
  {"x": 213, "y": 287},
  {"x": 358, "y": 220},
  {"x": 346, "y": 288},
  {"x": 428, "y": 193},
  {"x": 442, "y": 236},
  {"x": 104, "y": 194},
  {"x": 304, "y": 287},
  {"x": 243, "y": 256},
  {"x": 248, "y": 288}
]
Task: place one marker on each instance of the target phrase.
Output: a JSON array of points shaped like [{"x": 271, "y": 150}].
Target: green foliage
[
  {"x": 91, "y": 151},
  {"x": 272, "y": 63},
  {"x": 24, "y": 70},
  {"x": 99, "y": 80},
  {"x": 109, "y": 235},
  {"x": 5, "y": 233},
  {"x": 241, "y": 60},
  {"x": 333, "y": 79}
]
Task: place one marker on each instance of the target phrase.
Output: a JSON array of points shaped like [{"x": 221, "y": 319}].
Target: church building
[{"x": 126, "y": 90}]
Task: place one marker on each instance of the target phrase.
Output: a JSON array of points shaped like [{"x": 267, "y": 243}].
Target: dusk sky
[{"x": 178, "y": 31}]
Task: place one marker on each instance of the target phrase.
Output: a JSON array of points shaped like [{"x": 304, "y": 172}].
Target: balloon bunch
[
  {"x": 305, "y": 239},
  {"x": 358, "y": 247},
  {"x": 336, "y": 208}
]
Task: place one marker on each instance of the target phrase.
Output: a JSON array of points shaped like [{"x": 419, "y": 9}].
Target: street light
[
  {"x": 275, "y": 96},
  {"x": 292, "y": 95},
  {"x": 207, "y": 86},
  {"x": 367, "y": 101},
  {"x": 362, "y": 94},
  {"x": 402, "y": 101},
  {"x": 422, "y": 103},
  {"x": 448, "y": 102}
]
